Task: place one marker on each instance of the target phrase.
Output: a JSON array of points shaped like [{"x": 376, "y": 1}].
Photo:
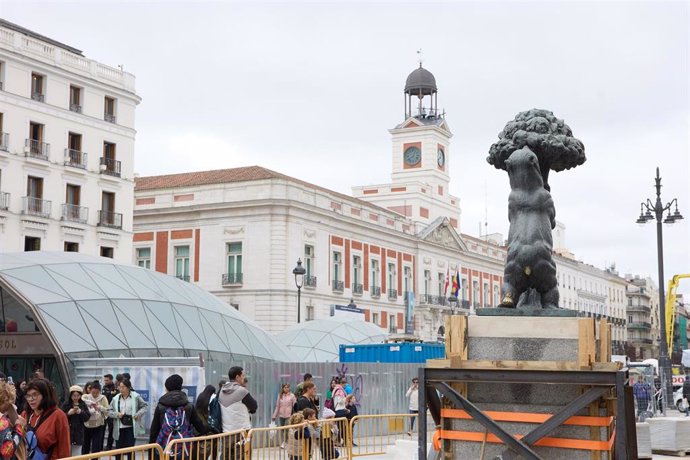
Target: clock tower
[{"x": 421, "y": 158}]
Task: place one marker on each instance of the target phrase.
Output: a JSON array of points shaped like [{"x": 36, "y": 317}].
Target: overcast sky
[{"x": 311, "y": 89}]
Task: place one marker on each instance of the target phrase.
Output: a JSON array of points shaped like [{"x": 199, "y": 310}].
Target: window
[
  {"x": 308, "y": 260},
  {"x": 32, "y": 243},
  {"x": 107, "y": 252},
  {"x": 487, "y": 295},
  {"x": 375, "y": 270},
  {"x": 391, "y": 276},
  {"x": 75, "y": 99},
  {"x": 356, "y": 269},
  {"x": 475, "y": 293},
  {"x": 496, "y": 301},
  {"x": 74, "y": 141},
  {"x": 37, "y": 93},
  {"x": 464, "y": 288},
  {"x": 392, "y": 327},
  {"x": 109, "y": 163},
  {"x": 375, "y": 318},
  {"x": 310, "y": 313},
  {"x": 427, "y": 282},
  {"x": 4, "y": 137},
  {"x": 72, "y": 210},
  {"x": 182, "y": 262},
  {"x": 234, "y": 257},
  {"x": 144, "y": 257},
  {"x": 441, "y": 285},
  {"x": 407, "y": 277},
  {"x": 36, "y": 146},
  {"x": 34, "y": 187},
  {"x": 109, "y": 109},
  {"x": 71, "y": 247},
  {"x": 337, "y": 260},
  {"x": 73, "y": 195},
  {"x": 630, "y": 318}
]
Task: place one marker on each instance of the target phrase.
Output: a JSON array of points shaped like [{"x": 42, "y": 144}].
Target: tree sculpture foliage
[{"x": 545, "y": 135}]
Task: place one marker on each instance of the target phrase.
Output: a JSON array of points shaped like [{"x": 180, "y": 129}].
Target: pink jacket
[{"x": 284, "y": 405}]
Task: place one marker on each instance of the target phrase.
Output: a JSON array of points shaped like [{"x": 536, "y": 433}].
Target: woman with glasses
[{"x": 48, "y": 423}]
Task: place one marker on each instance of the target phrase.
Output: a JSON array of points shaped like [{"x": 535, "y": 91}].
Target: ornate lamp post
[
  {"x": 299, "y": 271},
  {"x": 650, "y": 211},
  {"x": 453, "y": 301}
]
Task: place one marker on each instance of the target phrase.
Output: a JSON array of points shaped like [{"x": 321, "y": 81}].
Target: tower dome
[{"x": 420, "y": 82}]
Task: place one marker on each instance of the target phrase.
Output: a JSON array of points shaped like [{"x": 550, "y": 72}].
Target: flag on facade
[
  {"x": 445, "y": 288},
  {"x": 456, "y": 284}
]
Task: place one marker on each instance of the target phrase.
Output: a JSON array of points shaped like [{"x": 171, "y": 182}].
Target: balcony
[
  {"x": 110, "y": 118},
  {"x": 640, "y": 308},
  {"x": 111, "y": 167},
  {"x": 36, "y": 206},
  {"x": 74, "y": 213},
  {"x": 40, "y": 97},
  {"x": 75, "y": 108},
  {"x": 109, "y": 219},
  {"x": 639, "y": 325},
  {"x": 75, "y": 158},
  {"x": 337, "y": 286},
  {"x": 425, "y": 299},
  {"x": 464, "y": 303},
  {"x": 375, "y": 291},
  {"x": 4, "y": 141},
  {"x": 182, "y": 277},
  {"x": 357, "y": 289},
  {"x": 392, "y": 294},
  {"x": 309, "y": 281},
  {"x": 440, "y": 300},
  {"x": 36, "y": 149},
  {"x": 4, "y": 201},
  {"x": 231, "y": 279}
]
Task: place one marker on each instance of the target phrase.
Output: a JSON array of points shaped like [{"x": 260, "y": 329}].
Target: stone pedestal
[{"x": 521, "y": 342}]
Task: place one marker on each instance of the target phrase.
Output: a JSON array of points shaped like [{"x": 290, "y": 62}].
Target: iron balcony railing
[
  {"x": 75, "y": 158},
  {"x": 109, "y": 219},
  {"x": 440, "y": 300},
  {"x": 392, "y": 294},
  {"x": 111, "y": 166},
  {"x": 182, "y": 277},
  {"x": 337, "y": 286},
  {"x": 36, "y": 206},
  {"x": 37, "y": 149},
  {"x": 375, "y": 291},
  {"x": 357, "y": 288},
  {"x": 642, "y": 308},
  {"x": 4, "y": 141},
  {"x": 231, "y": 278},
  {"x": 110, "y": 118},
  {"x": 464, "y": 303},
  {"x": 75, "y": 213},
  {"x": 75, "y": 108},
  {"x": 4, "y": 201},
  {"x": 426, "y": 299},
  {"x": 40, "y": 97},
  {"x": 309, "y": 281},
  {"x": 639, "y": 325}
]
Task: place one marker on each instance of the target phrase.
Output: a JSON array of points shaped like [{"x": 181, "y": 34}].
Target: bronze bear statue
[{"x": 532, "y": 215}]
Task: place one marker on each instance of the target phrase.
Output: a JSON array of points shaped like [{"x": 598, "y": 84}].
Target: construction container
[{"x": 391, "y": 352}]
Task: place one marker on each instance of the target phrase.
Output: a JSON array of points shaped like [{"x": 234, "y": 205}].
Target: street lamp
[
  {"x": 453, "y": 301},
  {"x": 299, "y": 273},
  {"x": 650, "y": 211}
]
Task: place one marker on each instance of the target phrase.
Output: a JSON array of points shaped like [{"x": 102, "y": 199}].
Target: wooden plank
[
  {"x": 456, "y": 346},
  {"x": 438, "y": 363},
  {"x": 594, "y": 433},
  {"x": 604, "y": 341},
  {"x": 607, "y": 367},
  {"x": 586, "y": 353},
  {"x": 456, "y": 362}
]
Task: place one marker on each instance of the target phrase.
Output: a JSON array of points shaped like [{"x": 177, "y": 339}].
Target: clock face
[
  {"x": 412, "y": 155},
  {"x": 441, "y": 158}
]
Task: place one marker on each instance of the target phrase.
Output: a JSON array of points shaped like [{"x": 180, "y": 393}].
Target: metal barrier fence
[
  {"x": 143, "y": 452},
  {"x": 224, "y": 446},
  {"x": 374, "y": 434},
  {"x": 320, "y": 440}
]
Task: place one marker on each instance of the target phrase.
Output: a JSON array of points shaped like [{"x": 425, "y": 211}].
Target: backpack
[
  {"x": 33, "y": 452},
  {"x": 215, "y": 416},
  {"x": 174, "y": 425}
]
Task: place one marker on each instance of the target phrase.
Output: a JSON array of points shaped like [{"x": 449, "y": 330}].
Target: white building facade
[{"x": 66, "y": 148}]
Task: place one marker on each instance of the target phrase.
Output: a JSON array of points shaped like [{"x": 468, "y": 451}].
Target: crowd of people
[{"x": 109, "y": 414}]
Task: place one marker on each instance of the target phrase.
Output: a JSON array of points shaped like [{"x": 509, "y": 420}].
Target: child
[
  {"x": 327, "y": 433},
  {"x": 297, "y": 434}
]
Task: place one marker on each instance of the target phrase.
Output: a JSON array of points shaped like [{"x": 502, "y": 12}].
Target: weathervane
[{"x": 419, "y": 56}]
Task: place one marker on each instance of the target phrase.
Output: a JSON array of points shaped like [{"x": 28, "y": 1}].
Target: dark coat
[
  {"x": 76, "y": 422},
  {"x": 686, "y": 388},
  {"x": 175, "y": 399},
  {"x": 304, "y": 402}
]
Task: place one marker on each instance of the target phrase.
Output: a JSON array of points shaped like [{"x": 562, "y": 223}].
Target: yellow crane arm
[{"x": 671, "y": 308}]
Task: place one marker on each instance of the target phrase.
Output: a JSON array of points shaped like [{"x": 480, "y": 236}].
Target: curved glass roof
[
  {"x": 95, "y": 307},
  {"x": 319, "y": 340}
]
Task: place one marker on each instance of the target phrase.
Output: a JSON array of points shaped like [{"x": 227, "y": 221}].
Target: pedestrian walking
[
  {"x": 77, "y": 414},
  {"x": 127, "y": 409},
  {"x": 284, "y": 405},
  {"x": 308, "y": 400},
  {"x": 109, "y": 391},
  {"x": 94, "y": 427},
  {"x": 236, "y": 403},
  {"x": 641, "y": 392},
  {"x": 48, "y": 424},
  {"x": 413, "y": 405}
]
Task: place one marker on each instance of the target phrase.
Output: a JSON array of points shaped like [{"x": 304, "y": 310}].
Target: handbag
[{"x": 272, "y": 430}]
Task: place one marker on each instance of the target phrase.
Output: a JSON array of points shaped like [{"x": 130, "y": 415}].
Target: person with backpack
[
  {"x": 235, "y": 403},
  {"x": 12, "y": 426},
  {"x": 47, "y": 431},
  {"x": 77, "y": 414},
  {"x": 308, "y": 398},
  {"x": 209, "y": 448},
  {"x": 94, "y": 427},
  {"x": 127, "y": 409},
  {"x": 173, "y": 419}
]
